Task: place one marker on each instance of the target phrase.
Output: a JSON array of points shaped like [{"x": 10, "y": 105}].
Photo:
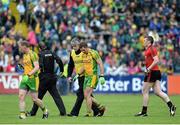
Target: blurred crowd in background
[{"x": 115, "y": 28}]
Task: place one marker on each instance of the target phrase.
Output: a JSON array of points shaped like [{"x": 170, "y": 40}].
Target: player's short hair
[
  {"x": 83, "y": 44},
  {"x": 24, "y": 43},
  {"x": 75, "y": 41},
  {"x": 150, "y": 38}
]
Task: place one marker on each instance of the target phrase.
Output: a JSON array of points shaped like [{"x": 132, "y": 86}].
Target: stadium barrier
[
  {"x": 174, "y": 84},
  {"x": 131, "y": 84},
  {"x": 9, "y": 83}
]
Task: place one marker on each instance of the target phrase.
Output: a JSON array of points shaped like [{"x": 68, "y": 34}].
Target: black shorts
[{"x": 152, "y": 76}]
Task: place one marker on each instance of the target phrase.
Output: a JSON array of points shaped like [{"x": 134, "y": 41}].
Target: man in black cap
[{"x": 48, "y": 78}]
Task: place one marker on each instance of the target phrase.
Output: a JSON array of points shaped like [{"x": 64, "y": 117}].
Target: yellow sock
[
  {"x": 22, "y": 113},
  {"x": 90, "y": 113}
]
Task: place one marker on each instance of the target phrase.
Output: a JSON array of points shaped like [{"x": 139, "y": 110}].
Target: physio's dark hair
[
  {"x": 150, "y": 38},
  {"x": 42, "y": 46}
]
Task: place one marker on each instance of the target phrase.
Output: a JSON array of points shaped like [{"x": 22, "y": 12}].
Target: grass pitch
[{"x": 120, "y": 110}]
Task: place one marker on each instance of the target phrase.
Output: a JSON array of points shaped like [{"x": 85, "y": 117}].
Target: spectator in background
[
  {"x": 39, "y": 9},
  {"x": 5, "y": 4},
  {"x": 117, "y": 23},
  {"x": 132, "y": 69},
  {"x": 11, "y": 66},
  {"x": 31, "y": 37},
  {"x": 3, "y": 58},
  {"x": 21, "y": 9}
]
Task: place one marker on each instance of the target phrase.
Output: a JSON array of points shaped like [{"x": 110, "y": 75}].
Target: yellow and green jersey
[
  {"x": 89, "y": 61},
  {"x": 78, "y": 61},
  {"x": 28, "y": 60}
]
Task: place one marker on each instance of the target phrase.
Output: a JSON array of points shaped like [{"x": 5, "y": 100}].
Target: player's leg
[
  {"x": 87, "y": 95},
  {"x": 97, "y": 108},
  {"x": 145, "y": 93},
  {"x": 95, "y": 103},
  {"x": 42, "y": 89},
  {"x": 39, "y": 103},
  {"x": 164, "y": 97},
  {"x": 41, "y": 93},
  {"x": 90, "y": 83},
  {"x": 33, "y": 86},
  {"x": 94, "y": 107},
  {"x": 22, "y": 95}
]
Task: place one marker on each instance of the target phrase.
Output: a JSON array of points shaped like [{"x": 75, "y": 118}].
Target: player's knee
[
  {"x": 144, "y": 91},
  {"x": 21, "y": 96},
  {"x": 85, "y": 95},
  {"x": 158, "y": 93}
]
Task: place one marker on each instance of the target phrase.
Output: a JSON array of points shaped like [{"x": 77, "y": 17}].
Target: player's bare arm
[
  {"x": 100, "y": 63},
  {"x": 36, "y": 68},
  {"x": 155, "y": 61}
]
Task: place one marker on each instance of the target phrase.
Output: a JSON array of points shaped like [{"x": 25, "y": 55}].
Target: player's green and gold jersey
[
  {"x": 28, "y": 60},
  {"x": 89, "y": 61},
  {"x": 78, "y": 61}
]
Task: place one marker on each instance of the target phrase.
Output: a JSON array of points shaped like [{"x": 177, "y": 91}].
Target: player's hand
[
  {"x": 75, "y": 77},
  {"x": 69, "y": 79},
  {"x": 21, "y": 67},
  {"x": 25, "y": 78},
  {"x": 146, "y": 71},
  {"x": 102, "y": 80}
]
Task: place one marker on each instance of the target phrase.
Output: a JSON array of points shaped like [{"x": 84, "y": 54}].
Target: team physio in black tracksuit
[{"x": 48, "y": 78}]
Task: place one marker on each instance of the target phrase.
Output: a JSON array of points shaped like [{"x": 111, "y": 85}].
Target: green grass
[{"x": 120, "y": 110}]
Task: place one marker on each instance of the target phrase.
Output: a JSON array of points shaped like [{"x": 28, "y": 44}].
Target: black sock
[
  {"x": 144, "y": 109},
  {"x": 169, "y": 104}
]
